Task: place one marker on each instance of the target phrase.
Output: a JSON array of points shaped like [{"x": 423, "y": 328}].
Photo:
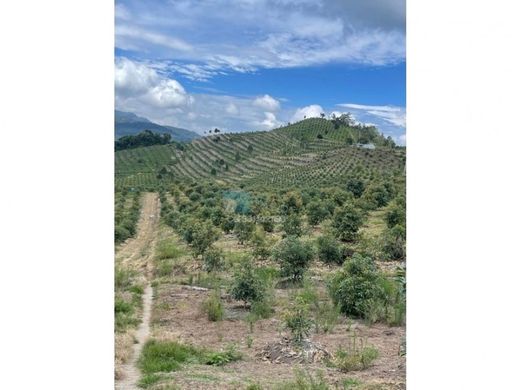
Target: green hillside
[{"x": 309, "y": 152}]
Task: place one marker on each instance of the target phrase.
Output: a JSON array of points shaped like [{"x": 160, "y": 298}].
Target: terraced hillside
[{"x": 311, "y": 151}]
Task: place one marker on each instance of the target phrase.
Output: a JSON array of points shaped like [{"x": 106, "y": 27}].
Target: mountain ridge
[{"x": 128, "y": 123}]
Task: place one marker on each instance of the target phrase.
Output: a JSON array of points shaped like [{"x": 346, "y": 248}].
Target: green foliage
[
  {"x": 346, "y": 223},
  {"x": 396, "y": 215},
  {"x": 329, "y": 250},
  {"x": 167, "y": 250},
  {"x": 167, "y": 356},
  {"x": 355, "y": 285},
  {"x": 292, "y": 203},
  {"x": 247, "y": 285},
  {"x": 357, "y": 356},
  {"x": 244, "y": 230},
  {"x": 145, "y": 138},
  {"x": 292, "y": 225},
  {"x": 355, "y": 186},
  {"x": 316, "y": 213},
  {"x": 360, "y": 290},
  {"x": 229, "y": 355},
  {"x": 294, "y": 257},
  {"x": 298, "y": 322},
  {"x": 394, "y": 243},
  {"x": 201, "y": 236},
  {"x": 213, "y": 307},
  {"x": 213, "y": 259},
  {"x": 259, "y": 243},
  {"x": 305, "y": 381}
]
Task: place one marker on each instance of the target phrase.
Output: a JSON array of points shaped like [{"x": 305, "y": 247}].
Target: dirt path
[{"x": 137, "y": 253}]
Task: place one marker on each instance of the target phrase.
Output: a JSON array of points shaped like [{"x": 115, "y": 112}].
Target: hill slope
[
  {"x": 127, "y": 123},
  {"x": 309, "y": 153}
]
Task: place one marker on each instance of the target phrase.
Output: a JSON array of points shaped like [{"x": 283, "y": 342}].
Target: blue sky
[{"x": 258, "y": 64}]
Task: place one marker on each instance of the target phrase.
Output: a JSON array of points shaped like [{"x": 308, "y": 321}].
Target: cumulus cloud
[
  {"x": 140, "y": 84},
  {"x": 143, "y": 89},
  {"x": 270, "y": 121},
  {"x": 267, "y": 103},
  {"x": 312, "y": 111}
]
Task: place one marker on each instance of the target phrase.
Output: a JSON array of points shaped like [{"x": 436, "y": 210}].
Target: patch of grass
[
  {"x": 168, "y": 250},
  {"x": 213, "y": 307},
  {"x": 166, "y": 356},
  {"x": 350, "y": 383},
  {"x": 357, "y": 356},
  {"x": 230, "y": 354},
  {"x": 305, "y": 381},
  {"x": 148, "y": 379}
]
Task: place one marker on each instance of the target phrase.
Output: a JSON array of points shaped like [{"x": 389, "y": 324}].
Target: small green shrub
[
  {"x": 229, "y": 355},
  {"x": 357, "y": 356},
  {"x": 346, "y": 223},
  {"x": 247, "y": 285},
  {"x": 298, "y": 322},
  {"x": 213, "y": 307},
  {"x": 292, "y": 225},
  {"x": 213, "y": 259},
  {"x": 294, "y": 257},
  {"x": 329, "y": 250}
]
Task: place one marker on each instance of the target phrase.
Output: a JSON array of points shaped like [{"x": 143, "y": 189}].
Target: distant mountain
[{"x": 127, "y": 123}]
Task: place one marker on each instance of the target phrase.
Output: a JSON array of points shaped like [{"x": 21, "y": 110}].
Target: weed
[
  {"x": 230, "y": 354},
  {"x": 213, "y": 307},
  {"x": 305, "y": 381},
  {"x": 249, "y": 341},
  {"x": 357, "y": 356},
  {"x": 148, "y": 380}
]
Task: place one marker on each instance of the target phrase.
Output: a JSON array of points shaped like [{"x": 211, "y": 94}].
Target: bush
[
  {"x": 292, "y": 203},
  {"x": 294, "y": 257},
  {"x": 213, "y": 259},
  {"x": 346, "y": 223},
  {"x": 396, "y": 215},
  {"x": 316, "y": 213},
  {"x": 228, "y": 224},
  {"x": 259, "y": 242},
  {"x": 298, "y": 322},
  {"x": 358, "y": 356},
  {"x": 202, "y": 236},
  {"x": 354, "y": 286},
  {"x": 394, "y": 243},
  {"x": 213, "y": 307},
  {"x": 244, "y": 230},
  {"x": 247, "y": 286},
  {"x": 356, "y": 187},
  {"x": 293, "y": 225},
  {"x": 121, "y": 234},
  {"x": 329, "y": 250}
]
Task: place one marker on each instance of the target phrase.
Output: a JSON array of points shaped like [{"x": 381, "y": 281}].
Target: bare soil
[{"x": 137, "y": 254}]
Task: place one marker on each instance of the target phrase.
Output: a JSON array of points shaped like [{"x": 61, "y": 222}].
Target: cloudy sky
[{"x": 257, "y": 64}]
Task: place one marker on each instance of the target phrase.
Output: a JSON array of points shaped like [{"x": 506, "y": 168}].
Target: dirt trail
[{"x": 137, "y": 253}]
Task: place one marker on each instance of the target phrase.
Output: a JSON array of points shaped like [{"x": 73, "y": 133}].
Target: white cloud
[
  {"x": 312, "y": 111},
  {"x": 139, "y": 85},
  {"x": 391, "y": 114},
  {"x": 232, "y": 109},
  {"x": 204, "y": 39},
  {"x": 270, "y": 121},
  {"x": 267, "y": 103}
]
